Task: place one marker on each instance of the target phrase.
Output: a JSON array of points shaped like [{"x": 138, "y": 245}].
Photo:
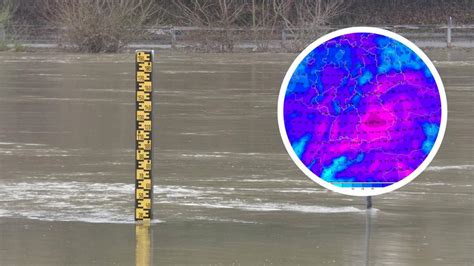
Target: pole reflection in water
[
  {"x": 143, "y": 244},
  {"x": 368, "y": 229}
]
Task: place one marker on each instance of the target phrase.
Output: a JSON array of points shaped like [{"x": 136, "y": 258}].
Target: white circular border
[{"x": 363, "y": 191}]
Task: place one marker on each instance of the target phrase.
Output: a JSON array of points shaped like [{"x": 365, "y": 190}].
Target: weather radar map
[{"x": 362, "y": 111}]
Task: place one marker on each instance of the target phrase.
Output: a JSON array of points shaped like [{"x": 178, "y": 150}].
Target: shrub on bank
[{"x": 100, "y": 25}]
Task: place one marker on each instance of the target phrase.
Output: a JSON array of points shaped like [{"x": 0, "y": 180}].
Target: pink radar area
[{"x": 362, "y": 111}]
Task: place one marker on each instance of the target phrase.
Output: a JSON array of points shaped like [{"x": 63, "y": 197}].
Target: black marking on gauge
[{"x": 143, "y": 135}]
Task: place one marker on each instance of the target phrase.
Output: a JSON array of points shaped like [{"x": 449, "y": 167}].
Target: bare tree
[
  {"x": 100, "y": 25},
  {"x": 6, "y": 11},
  {"x": 11, "y": 27},
  {"x": 265, "y": 18},
  {"x": 303, "y": 20},
  {"x": 215, "y": 20}
]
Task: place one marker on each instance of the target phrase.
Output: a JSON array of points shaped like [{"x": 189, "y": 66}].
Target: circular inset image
[{"x": 362, "y": 111}]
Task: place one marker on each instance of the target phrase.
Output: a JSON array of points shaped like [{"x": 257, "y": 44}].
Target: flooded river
[{"x": 226, "y": 191}]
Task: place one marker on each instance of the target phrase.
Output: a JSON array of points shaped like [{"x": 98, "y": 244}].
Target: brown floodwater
[{"x": 226, "y": 192}]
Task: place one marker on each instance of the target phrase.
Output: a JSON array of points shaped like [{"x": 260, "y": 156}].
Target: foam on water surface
[{"x": 111, "y": 202}]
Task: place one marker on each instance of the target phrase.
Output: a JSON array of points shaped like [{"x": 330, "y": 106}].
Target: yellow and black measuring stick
[{"x": 143, "y": 135}]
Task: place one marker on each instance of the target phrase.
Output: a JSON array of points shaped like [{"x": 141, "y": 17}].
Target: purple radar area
[{"x": 361, "y": 110}]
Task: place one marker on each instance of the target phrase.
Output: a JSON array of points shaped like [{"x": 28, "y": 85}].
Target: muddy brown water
[{"x": 226, "y": 192}]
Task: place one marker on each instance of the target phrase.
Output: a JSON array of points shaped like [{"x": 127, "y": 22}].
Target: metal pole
[
  {"x": 143, "y": 136},
  {"x": 173, "y": 37},
  {"x": 448, "y": 33},
  {"x": 369, "y": 202}
]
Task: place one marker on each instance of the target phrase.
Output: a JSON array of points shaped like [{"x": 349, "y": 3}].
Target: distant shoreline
[
  {"x": 244, "y": 48},
  {"x": 192, "y": 39}
]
